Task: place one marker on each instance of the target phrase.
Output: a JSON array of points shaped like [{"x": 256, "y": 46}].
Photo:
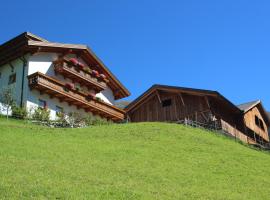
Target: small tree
[{"x": 7, "y": 100}]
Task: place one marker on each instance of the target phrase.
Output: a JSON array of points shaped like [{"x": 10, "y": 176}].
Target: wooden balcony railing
[
  {"x": 56, "y": 89},
  {"x": 85, "y": 78}
]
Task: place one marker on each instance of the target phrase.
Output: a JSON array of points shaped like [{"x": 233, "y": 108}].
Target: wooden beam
[
  {"x": 207, "y": 101},
  {"x": 159, "y": 99},
  {"x": 182, "y": 99}
]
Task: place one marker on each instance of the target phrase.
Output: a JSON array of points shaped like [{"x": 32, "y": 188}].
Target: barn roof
[
  {"x": 30, "y": 43},
  {"x": 168, "y": 88},
  {"x": 249, "y": 105}
]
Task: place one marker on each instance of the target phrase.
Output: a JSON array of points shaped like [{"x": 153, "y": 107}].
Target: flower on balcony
[
  {"x": 91, "y": 96},
  {"x": 95, "y": 73},
  {"x": 87, "y": 69},
  {"x": 103, "y": 76},
  {"x": 78, "y": 88},
  {"x": 69, "y": 86},
  {"x": 74, "y": 61},
  {"x": 81, "y": 66}
]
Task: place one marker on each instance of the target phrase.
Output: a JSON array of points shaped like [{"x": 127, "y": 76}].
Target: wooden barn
[
  {"x": 204, "y": 107},
  {"x": 256, "y": 120}
]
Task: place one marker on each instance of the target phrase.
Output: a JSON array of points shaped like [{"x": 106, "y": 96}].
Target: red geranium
[
  {"x": 69, "y": 86},
  {"x": 81, "y": 65},
  {"x": 91, "y": 96},
  {"x": 96, "y": 73},
  {"x": 103, "y": 76},
  {"x": 74, "y": 61}
]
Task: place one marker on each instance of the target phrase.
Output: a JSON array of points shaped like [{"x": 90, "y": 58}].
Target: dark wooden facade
[{"x": 175, "y": 104}]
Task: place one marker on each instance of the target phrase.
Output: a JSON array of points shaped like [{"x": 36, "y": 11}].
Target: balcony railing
[
  {"x": 57, "y": 89},
  {"x": 64, "y": 68}
]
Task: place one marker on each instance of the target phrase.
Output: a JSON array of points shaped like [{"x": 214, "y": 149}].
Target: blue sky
[{"x": 217, "y": 45}]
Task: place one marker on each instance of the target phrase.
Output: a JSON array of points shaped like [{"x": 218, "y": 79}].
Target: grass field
[{"x": 134, "y": 161}]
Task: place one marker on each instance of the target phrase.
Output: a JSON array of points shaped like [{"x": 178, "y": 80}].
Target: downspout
[{"x": 23, "y": 77}]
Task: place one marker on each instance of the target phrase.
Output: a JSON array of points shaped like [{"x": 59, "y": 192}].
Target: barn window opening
[
  {"x": 12, "y": 79},
  {"x": 166, "y": 103},
  {"x": 259, "y": 122}
]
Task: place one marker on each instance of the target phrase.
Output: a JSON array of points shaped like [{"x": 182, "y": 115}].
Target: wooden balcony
[
  {"x": 64, "y": 68},
  {"x": 56, "y": 89}
]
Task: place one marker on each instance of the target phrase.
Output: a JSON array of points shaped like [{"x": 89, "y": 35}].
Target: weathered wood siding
[
  {"x": 187, "y": 106},
  {"x": 249, "y": 119},
  {"x": 233, "y": 132}
]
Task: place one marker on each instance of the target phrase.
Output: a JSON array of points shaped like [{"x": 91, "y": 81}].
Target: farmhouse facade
[
  {"x": 61, "y": 77},
  {"x": 248, "y": 122}
]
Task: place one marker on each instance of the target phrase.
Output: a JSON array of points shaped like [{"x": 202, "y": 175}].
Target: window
[
  {"x": 59, "y": 111},
  {"x": 42, "y": 103},
  {"x": 12, "y": 79},
  {"x": 259, "y": 122},
  {"x": 166, "y": 103}
]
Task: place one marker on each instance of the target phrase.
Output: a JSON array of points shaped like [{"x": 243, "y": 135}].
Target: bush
[
  {"x": 89, "y": 120},
  {"x": 19, "y": 112},
  {"x": 41, "y": 114},
  {"x": 75, "y": 119},
  {"x": 101, "y": 121}
]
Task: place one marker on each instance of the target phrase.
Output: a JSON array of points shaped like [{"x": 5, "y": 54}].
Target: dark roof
[
  {"x": 183, "y": 89},
  {"x": 27, "y": 42},
  {"x": 247, "y": 106}
]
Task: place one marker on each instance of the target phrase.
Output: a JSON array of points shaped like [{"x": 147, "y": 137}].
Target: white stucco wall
[
  {"x": 6, "y": 71},
  {"x": 41, "y": 62},
  {"x": 107, "y": 96}
]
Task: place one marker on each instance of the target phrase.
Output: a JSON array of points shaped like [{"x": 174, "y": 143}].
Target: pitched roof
[
  {"x": 180, "y": 89},
  {"x": 247, "y": 106},
  {"x": 28, "y": 42}
]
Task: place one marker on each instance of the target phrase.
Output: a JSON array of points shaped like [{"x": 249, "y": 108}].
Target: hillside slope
[{"x": 134, "y": 161}]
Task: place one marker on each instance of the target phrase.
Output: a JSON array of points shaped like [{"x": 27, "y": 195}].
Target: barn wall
[
  {"x": 249, "y": 119},
  {"x": 151, "y": 109}
]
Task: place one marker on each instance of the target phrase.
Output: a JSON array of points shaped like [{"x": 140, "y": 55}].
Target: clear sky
[{"x": 220, "y": 45}]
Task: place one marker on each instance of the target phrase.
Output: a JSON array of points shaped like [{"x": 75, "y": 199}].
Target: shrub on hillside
[
  {"x": 19, "y": 112},
  {"x": 41, "y": 114},
  {"x": 101, "y": 121}
]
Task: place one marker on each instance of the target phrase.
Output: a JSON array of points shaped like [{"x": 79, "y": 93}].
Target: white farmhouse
[{"x": 60, "y": 77}]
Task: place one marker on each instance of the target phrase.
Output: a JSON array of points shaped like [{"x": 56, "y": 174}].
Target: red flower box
[
  {"x": 91, "y": 96},
  {"x": 81, "y": 65},
  {"x": 103, "y": 76},
  {"x": 95, "y": 73},
  {"x": 69, "y": 86},
  {"x": 74, "y": 61}
]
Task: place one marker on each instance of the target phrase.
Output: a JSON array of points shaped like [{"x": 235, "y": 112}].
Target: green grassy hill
[{"x": 134, "y": 161}]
